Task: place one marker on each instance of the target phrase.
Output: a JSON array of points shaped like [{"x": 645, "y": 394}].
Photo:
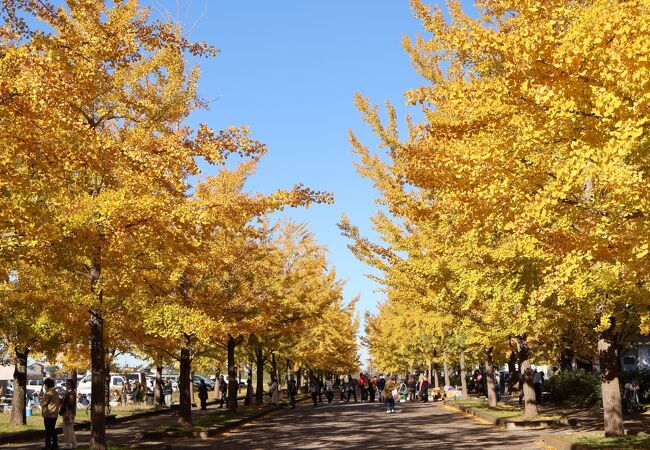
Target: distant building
[
  {"x": 34, "y": 372},
  {"x": 638, "y": 356}
]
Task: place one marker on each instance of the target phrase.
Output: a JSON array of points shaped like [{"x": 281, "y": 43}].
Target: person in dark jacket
[
  {"x": 292, "y": 390},
  {"x": 167, "y": 392},
  {"x": 381, "y": 382},
  {"x": 203, "y": 394},
  {"x": 352, "y": 390},
  {"x": 223, "y": 389}
]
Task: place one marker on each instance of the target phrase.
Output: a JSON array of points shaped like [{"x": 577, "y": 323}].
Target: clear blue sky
[{"x": 289, "y": 69}]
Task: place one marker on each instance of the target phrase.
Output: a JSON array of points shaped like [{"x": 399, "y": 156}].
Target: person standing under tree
[
  {"x": 274, "y": 391},
  {"x": 411, "y": 386},
  {"x": 538, "y": 382},
  {"x": 292, "y": 390},
  {"x": 250, "y": 394},
  {"x": 223, "y": 389},
  {"x": 313, "y": 388},
  {"x": 167, "y": 392},
  {"x": 50, "y": 404},
  {"x": 203, "y": 394},
  {"x": 69, "y": 413}
]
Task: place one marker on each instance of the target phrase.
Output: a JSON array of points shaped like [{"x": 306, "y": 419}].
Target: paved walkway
[{"x": 367, "y": 426}]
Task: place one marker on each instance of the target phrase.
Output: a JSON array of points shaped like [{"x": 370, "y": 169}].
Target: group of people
[
  {"x": 52, "y": 406},
  {"x": 385, "y": 389}
]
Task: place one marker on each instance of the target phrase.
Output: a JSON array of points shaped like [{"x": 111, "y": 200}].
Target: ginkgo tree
[
  {"x": 529, "y": 166},
  {"x": 95, "y": 154}
]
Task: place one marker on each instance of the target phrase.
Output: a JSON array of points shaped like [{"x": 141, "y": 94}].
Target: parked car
[
  {"x": 196, "y": 380},
  {"x": 116, "y": 383},
  {"x": 35, "y": 384}
]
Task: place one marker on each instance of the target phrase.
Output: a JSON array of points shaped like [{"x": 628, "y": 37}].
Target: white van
[{"x": 116, "y": 383}]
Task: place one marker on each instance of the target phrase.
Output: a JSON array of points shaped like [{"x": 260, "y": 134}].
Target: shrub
[{"x": 580, "y": 389}]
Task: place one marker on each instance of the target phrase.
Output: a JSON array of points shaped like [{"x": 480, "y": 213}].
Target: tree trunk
[
  {"x": 158, "y": 388},
  {"x": 107, "y": 390},
  {"x": 193, "y": 402},
  {"x": 526, "y": 373},
  {"x": 274, "y": 367},
  {"x": 436, "y": 381},
  {"x": 18, "y": 403},
  {"x": 184, "y": 382},
  {"x": 97, "y": 359},
  {"x": 288, "y": 374},
  {"x": 259, "y": 366},
  {"x": 299, "y": 378},
  {"x": 98, "y": 383},
  {"x": 233, "y": 385},
  {"x": 513, "y": 377},
  {"x": 445, "y": 369},
  {"x": 463, "y": 375},
  {"x": 612, "y": 409},
  {"x": 430, "y": 374},
  {"x": 489, "y": 372}
]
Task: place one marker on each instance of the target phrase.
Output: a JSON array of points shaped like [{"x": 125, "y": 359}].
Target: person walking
[
  {"x": 50, "y": 404},
  {"x": 424, "y": 389},
  {"x": 343, "y": 386},
  {"x": 329, "y": 389},
  {"x": 352, "y": 391},
  {"x": 69, "y": 409},
  {"x": 313, "y": 388},
  {"x": 372, "y": 388},
  {"x": 203, "y": 394},
  {"x": 223, "y": 389},
  {"x": 167, "y": 392},
  {"x": 411, "y": 387},
  {"x": 390, "y": 388},
  {"x": 381, "y": 383},
  {"x": 292, "y": 390},
  {"x": 363, "y": 387}
]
